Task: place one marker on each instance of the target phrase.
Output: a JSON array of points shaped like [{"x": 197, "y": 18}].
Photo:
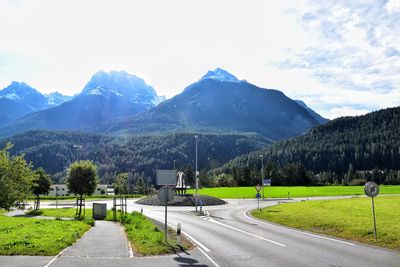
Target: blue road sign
[{"x": 258, "y": 195}]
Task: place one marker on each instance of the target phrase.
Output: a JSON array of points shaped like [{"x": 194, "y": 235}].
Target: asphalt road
[
  {"x": 227, "y": 236},
  {"x": 231, "y": 238}
]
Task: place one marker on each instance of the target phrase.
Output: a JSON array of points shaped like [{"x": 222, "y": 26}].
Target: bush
[{"x": 358, "y": 182}]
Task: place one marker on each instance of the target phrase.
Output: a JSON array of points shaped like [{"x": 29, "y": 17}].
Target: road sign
[
  {"x": 258, "y": 195},
  {"x": 166, "y": 177},
  {"x": 371, "y": 189},
  {"x": 258, "y": 188},
  {"x": 267, "y": 182},
  {"x": 166, "y": 194}
]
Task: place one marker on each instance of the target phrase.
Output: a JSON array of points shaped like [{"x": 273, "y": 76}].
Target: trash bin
[{"x": 99, "y": 211}]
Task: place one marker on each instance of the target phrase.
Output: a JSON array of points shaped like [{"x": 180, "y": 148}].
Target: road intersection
[{"x": 228, "y": 236}]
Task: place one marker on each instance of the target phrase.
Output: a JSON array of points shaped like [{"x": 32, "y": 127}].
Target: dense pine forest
[
  {"x": 345, "y": 149},
  {"x": 54, "y": 151}
]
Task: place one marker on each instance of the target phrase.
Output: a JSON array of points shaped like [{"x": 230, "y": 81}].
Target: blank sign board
[{"x": 166, "y": 177}]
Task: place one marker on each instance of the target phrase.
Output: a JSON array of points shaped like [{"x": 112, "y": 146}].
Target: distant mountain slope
[
  {"x": 19, "y": 99},
  {"x": 106, "y": 96},
  {"x": 56, "y": 99},
  {"x": 222, "y": 103},
  {"x": 367, "y": 142},
  {"x": 54, "y": 151},
  {"x": 316, "y": 116}
]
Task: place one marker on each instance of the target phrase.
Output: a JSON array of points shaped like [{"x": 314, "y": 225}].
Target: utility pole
[
  {"x": 195, "y": 175},
  {"x": 262, "y": 174}
]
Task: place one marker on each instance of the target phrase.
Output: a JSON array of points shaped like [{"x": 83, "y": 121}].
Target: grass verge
[
  {"x": 147, "y": 239},
  {"x": 295, "y": 191},
  {"x": 345, "y": 218},
  {"x": 26, "y": 236},
  {"x": 61, "y": 212},
  {"x": 91, "y": 198}
]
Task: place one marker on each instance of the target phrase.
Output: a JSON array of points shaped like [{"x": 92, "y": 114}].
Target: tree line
[{"x": 348, "y": 148}]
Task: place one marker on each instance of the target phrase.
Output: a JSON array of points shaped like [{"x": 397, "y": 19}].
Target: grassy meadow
[
  {"x": 295, "y": 191},
  {"x": 26, "y": 236},
  {"x": 345, "y": 218}
]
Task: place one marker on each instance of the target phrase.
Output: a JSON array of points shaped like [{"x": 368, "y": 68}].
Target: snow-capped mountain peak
[{"x": 220, "y": 75}]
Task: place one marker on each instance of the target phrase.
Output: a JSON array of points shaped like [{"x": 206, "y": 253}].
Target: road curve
[{"x": 232, "y": 238}]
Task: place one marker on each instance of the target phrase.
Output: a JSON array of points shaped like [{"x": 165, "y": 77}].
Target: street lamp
[
  {"x": 195, "y": 175},
  {"x": 262, "y": 174}
]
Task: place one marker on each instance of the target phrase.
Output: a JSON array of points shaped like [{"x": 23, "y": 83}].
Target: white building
[{"x": 62, "y": 190}]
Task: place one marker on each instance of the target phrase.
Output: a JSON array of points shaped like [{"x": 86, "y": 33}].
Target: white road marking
[
  {"x": 62, "y": 251},
  {"x": 209, "y": 258},
  {"x": 247, "y": 233},
  {"x": 130, "y": 249},
  {"x": 197, "y": 242},
  {"x": 297, "y": 231}
]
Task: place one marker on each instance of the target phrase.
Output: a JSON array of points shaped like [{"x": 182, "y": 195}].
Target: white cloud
[{"x": 328, "y": 53}]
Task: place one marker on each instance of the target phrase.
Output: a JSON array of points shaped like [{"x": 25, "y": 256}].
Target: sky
[{"x": 342, "y": 58}]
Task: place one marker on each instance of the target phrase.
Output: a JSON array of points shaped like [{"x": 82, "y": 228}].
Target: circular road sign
[
  {"x": 371, "y": 189},
  {"x": 166, "y": 193}
]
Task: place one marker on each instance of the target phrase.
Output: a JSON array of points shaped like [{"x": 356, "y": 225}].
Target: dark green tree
[
  {"x": 82, "y": 180},
  {"x": 41, "y": 186},
  {"x": 121, "y": 184},
  {"x": 16, "y": 178}
]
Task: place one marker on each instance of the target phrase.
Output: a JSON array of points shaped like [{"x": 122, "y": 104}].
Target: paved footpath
[{"x": 105, "y": 244}]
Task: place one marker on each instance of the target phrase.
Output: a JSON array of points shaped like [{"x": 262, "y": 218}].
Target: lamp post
[
  {"x": 195, "y": 175},
  {"x": 262, "y": 174}
]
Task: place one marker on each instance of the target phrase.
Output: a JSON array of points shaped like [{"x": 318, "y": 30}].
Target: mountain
[
  {"x": 56, "y": 99},
  {"x": 315, "y": 115},
  {"x": 54, "y": 151},
  {"x": 366, "y": 142},
  {"x": 107, "y": 96},
  {"x": 19, "y": 99},
  {"x": 219, "y": 102}
]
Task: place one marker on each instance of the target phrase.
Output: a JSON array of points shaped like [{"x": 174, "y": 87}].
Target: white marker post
[
  {"x": 178, "y": 234},
  {"x": 258, "y": 188}
]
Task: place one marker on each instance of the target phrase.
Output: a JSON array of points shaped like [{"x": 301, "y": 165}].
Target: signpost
[
  {"x": 371, "y": 189},
  {"x": 258, "y": 188},
  {"x": 165, "y": 195}
]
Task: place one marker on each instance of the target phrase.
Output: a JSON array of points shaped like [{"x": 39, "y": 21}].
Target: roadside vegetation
[
  {"x": 147, "y": 239},
  {"x": 26, "y": 236},
  {"x": 295, "y": 191},
  {"x": 345, "y": 218},
  {"x": 145, "y": 236}
]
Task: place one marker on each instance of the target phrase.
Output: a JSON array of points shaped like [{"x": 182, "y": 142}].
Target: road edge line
[{"x": 209, "y": 258}]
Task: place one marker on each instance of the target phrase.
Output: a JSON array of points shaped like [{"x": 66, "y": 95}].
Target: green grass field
[
  {"x": 61, "y": 212},
  {"x": 25, "y": 236},
  {"x": 346, "y": 218},
  {"x": 295, "y": 191}
]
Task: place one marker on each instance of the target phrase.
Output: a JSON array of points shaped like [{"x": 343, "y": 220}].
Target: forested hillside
[
  {"x": 345, "y": 148},
  {"x": 54, "y": 151}
]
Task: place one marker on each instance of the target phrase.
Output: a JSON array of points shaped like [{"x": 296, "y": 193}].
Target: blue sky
[{"x": 340, "y": 57}]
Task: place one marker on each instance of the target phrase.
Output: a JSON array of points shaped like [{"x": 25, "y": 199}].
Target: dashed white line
[
  {"x": 297, "y": 231},
  {"x": 247, "y": 233}
]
